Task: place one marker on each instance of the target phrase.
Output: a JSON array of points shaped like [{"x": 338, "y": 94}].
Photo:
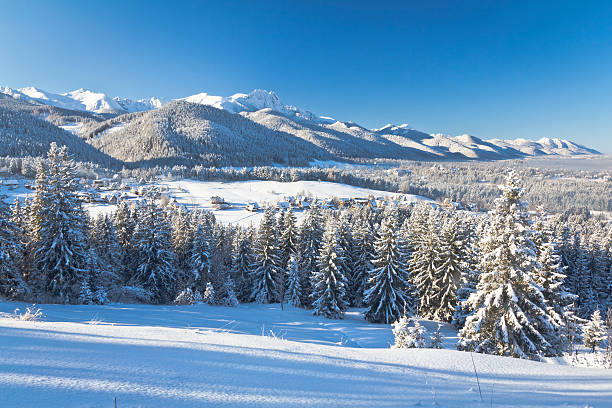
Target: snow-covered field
[
  {"x": 194, "y": 193},
  {"x": 239, "y": 193},
  {"x": 258, "y": 355}
]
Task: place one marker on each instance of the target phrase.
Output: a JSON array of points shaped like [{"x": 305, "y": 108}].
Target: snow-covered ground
[
  {"x": 258, "y": 355},
  {"x": 239, "y": 193},
  {"x": 194, "y": 193}
]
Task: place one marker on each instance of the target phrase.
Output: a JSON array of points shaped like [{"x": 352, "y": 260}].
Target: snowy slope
[
  {"x": 258, "y": 356},
  {"x": 82, "y": 100}
]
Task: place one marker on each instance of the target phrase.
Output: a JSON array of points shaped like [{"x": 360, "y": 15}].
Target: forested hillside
[{"x": 24, "y": 134}]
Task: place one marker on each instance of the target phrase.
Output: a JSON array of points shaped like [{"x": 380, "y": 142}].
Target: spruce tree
[
  {"x": 311, "y": 234},
  {"x": 363, "y": 252},
  {"x": 425, "y": 264},
  {"x": 548, "y": 275},
  {"x": 294, "y": 292},
  {"x": 329, "y": 294},
  {"x": 288, "y": 235},
  {"x": 242, "y": 261},
  {"x": 388, "y": 295},
  {"x": 266, "y": 270},
  {"x": 199, "y": 260},
  {"x": 60, "y": 227},
  {"x": 156, "y": 261},
  {"x": 452, "y": 262},
  {"x": 510, "y": 315},
  {"x": 12, "y": 284},
  {"x": 123, "y": 221},
  {"x": 594, "y": 331}
]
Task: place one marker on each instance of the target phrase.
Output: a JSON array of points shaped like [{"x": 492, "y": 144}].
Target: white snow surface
[
  {"x": 240, "y": 193},
  {"x": 258, "y": 356}
]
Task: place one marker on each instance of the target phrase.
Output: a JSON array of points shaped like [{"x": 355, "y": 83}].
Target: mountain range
[{"x": 245, "y": 130}]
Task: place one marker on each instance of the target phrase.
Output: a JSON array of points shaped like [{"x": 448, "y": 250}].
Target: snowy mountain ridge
[
  {"x": 83, "y": 100},
  {"x": 263, "y": 107}
]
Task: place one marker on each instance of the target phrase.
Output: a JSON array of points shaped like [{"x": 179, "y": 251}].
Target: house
[
  {"x": 222, "y": 206},
  {"x": 283, "y": 205},
  {"x": 216, "y": 200},
  {"x": 253, "y": 207}
]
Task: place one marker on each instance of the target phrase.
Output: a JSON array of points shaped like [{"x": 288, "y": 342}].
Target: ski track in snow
[{"x": 194, "y": 356}]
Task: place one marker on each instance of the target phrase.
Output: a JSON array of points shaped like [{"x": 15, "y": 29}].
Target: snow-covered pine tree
[
  {"x": 345, "y": 235},
  {"x": 288, "y": 235},
  {"x": 60, "y": 228},
  {"x": 451, "y": 267},
  {"x": 266, "y": 270},
  {"x": 510, "y": 315},
  {"x": 311, "y": 234},
  {"x": 199, "y": 260},
  {"x": 293, "y": 295},
  {"x": 156, "y": 261},
  {"x": 400, "y": 332},
  {"x": 220, "y": 259},
  {"x": 329, "y": 294},
  {"x": 586, "y": 300},
  {"x": 469, "y": 280},
  {"x": 209, "y": 294},
  {"x": 242, "y": 260},
  {"x": 425, "y": 264},
  {"x": 229, "y": 293},
  {"x": 388, "y": 294},
  {"x": 549, "y": 276},
  {"x": 182, "y": 239},
  {"x": 363, "y": 252},
  {"x": 123, "y": 221},
  {"x": 594, "y": 331},
  {"x": 105, "y": 247},
  {"x": 407, "y": 336},
  {"x": 436, "y": 339},
  {"x": 12, "y": 285}
]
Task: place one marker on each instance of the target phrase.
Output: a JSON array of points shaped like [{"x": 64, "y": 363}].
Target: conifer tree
[
  {"x": 548, "y": 275},
  {"x": 363, "y": 252},
  {"x": 288, "y": 235},
  {"x": 594, "y": 331},
  {"x": 329, "y": 294},
  {"x": 182, "y": 238},
  {"x": 242, "y": 261},
  {"x": 388, "y": 294},
  {"x": 425, "y": 265},
  {"x": 294, "y": 291},
  {"x": 12, "y": 284},
  {"x": 123, "y": 221},
  {"x": 156, "y": 261},
  {"x": 106, "y": 247},
  {"x": 59, "y": 227},
  {"x": 228, "y": 297},
  {"x": 311, "y": 234},
  {"x": 450, "y": 270},
  {"x": 510, "y": 315},
  {"x": 266, "y": 270},
  {"x": 199, "y": 260},
  {"x": 436, "y": 339}
]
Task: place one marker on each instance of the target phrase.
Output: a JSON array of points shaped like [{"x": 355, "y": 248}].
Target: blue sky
[{"x": 502, "y": 69}]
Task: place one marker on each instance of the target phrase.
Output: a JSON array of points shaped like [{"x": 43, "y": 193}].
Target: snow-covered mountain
[
  {"x": 289, "y": 125},
  {"x": 82, "y": 100},
  {"x": 257, "y": 100}
]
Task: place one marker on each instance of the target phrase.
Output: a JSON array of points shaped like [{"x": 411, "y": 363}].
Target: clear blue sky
[{"x": 502, "y": 69}]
